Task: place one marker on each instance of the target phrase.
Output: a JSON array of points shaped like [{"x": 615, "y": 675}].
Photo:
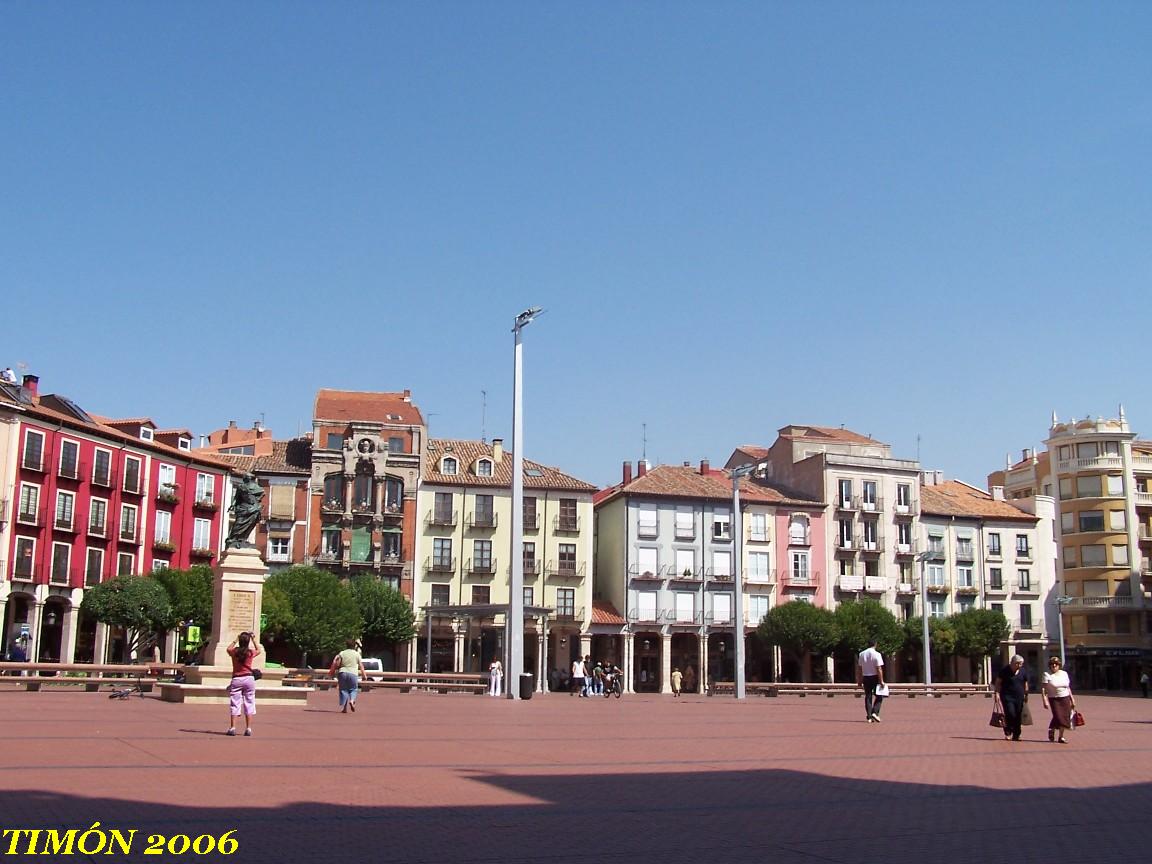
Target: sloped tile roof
[
  {"x": 604, "y": 612},
  {"x": 754, "y": 451},
  {"x": 685, "y": 481},
  {"x": 954, "y": 498},
  {"x": 536, "y": 476},
  {"x": 288, "y": 457},
  {"x": 804, "y": 431},
  {"x": 346, "y": 406}
]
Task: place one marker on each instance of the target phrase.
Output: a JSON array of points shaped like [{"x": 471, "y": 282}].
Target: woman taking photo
[
  {"x": 242, "y": 687},
  {"x": 1057, "y": 695}
]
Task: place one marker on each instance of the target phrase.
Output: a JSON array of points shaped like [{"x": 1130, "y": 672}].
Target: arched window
[{"x": 448, "y": 465}]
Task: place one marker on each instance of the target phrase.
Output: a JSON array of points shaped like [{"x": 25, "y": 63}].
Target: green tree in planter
[
  {"x": 324, "y": 612},
  {"x": 801, "y": 628},
  {"x": 862, "y": 620},
  {"x": 941, "y": 636},
  {"x": 388, "y": 616},
  {"x": 190, "y": 593},
  {"x": 139, "y": 604},
  {"x": 979, "y": 633}
]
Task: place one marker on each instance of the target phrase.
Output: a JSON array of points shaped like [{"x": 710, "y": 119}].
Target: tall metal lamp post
[
  {"x": 737, "y": 577},
  {"x": 923, "y": 558},
  {"x": 1061, "y": 602},
  {"x": 514, "y": 623}
]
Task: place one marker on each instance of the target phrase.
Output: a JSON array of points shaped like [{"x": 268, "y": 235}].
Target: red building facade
[{"x": 91, "y": 499}]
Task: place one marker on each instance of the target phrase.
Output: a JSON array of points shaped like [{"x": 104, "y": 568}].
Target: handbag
[
  {"x": 1025, "y": 715},
  {"x": 1077, "y": 718},
  {"x": 257, "y": 674},
  {"x": 997, "y": 718}
]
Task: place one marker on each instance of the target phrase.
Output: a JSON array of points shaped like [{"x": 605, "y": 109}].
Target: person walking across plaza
[
  {"x": 577, "y": 683},
  {"x": 495, "y": 678},
  {"x": 677, "y": 681},
  {"x": 870, "y": 675},
  {"x": 1144, "y": 683},
  {"x": 348, "y": 669},
  {"x": 1057, "y": 696},
  {"x": 242, "y": 687},
  {"x": 1012, "y": 685}
]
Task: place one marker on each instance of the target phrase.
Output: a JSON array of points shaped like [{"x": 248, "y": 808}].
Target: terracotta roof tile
[
  {"x": 345, "y": 406},
  {"x": 536, "y": 476},
  {"x": 604, "y": 612},
  {"x": 828, "y": 433},
  {"x": 954, "y": 498},
  {"x": 288, "y": 457},
  {"x": 677, "y": 481}
]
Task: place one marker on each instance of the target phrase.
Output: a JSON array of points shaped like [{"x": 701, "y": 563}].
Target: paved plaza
[{"x": 459, "y": 778}]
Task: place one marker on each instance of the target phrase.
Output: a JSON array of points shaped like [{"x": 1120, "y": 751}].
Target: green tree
[
  {"x": 860, "y": 621},
  {"x": 190, "y": 593},
  {"x": 941, "y": 638},
  {"x": 802, "y": 628},
  {"x": 277, "y": 611},
  {"x": 139, "y": 604},
  {"x": 387, "y": 614},
  {"x": 979, "y": 633},
  {"x": 324, "y": 612}
]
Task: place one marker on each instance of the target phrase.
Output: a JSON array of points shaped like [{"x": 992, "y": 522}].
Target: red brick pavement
[{"x": 428, "y": 778}]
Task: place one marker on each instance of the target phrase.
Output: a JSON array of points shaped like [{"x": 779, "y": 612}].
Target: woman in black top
[{"x": 1012, "y": 684}]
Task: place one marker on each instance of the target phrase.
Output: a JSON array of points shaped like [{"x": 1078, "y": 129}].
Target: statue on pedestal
[{"x": 245, "y": 511}]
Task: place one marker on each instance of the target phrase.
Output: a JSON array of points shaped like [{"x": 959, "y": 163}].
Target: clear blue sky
[{"x": 911, "y": 219}]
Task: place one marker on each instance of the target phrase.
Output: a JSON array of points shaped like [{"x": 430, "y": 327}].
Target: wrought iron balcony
[
  {"x": 566, "y": 524},
  {"x": 482, "y": 521},
  {"x": 654, "y": 575},
  {"x": 480, "y": 566},
  {"x": 441, "y": 518},
  {"x": 566, "y": 569}
]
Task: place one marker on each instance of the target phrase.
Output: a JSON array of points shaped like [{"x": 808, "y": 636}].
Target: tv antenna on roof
[
  {"x": 644, "y": 441},
  {"x": 483, "y": 415}
]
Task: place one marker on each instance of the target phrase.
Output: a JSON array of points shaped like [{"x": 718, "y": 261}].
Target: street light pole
[
  {"x": 1061, "y": 602},
  {"x": 738, "y": 577},
  {"x": 514, "y": 623},
  {"x": 923, "y": 558}
]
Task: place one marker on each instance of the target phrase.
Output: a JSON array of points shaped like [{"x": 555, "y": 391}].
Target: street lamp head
[
  {"x": 526, "y": 317},
  {"x": 926, "y": 556}
]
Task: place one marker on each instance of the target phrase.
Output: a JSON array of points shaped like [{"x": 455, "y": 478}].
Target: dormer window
[
  {"x": 184, "y": 443},
  {"x": 448, "y": 465},
  {"x": 484, "y": 468},
  {"x": 145, "y": 433}
]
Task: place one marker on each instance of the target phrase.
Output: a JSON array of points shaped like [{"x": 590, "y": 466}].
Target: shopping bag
[
  {"x": 1026, "y": 715},
  {"x": 1077, "y": 718}
]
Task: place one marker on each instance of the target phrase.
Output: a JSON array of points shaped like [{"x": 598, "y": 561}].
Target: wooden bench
[
  {"x": 405, "y": 682},
  {"x": 832, "y": 689},
  {"x": 33, "y": 676}
]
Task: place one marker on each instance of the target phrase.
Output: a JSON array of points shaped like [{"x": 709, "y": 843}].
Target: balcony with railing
[
  {"x": 531, "y": 567},
  {"x": 567, "y": 614},
  {"x": 566, "y": 569},
  {"x": 168, "y": 493},
  {"x": 330, "y": 555},
  {"x": 127, "y": 534},
  {"x": 532, "y": 521},
  {"x": 363, "y": 507},
  {"x": 996, "y": 587},
  {"x": 907, "y": 508},
  {"x": 71, "y": 470},
  {"x": 800, "y": 580},
  {"x": 965, "y": 552},
  {"x": 688, "y": 574},
  {"x": 1024, "y": 554},
  {"x": 906, "y": 588},
  {"x": 1022, "y": 626},
  {"x": 30, "y": 516},
  {"x": 725, "y": 577},
  {"x": 687, "y": 532},
  {"x": 845, "y": 546},
  {"x": 936, "y": 551},
  {"x": 482, "y": 521},
  {"x": 1143, "y": 499},
  {"x": 566, "y": 524},
  {"x": 847, "y": 503},
  {"x": 970, "y": 589},
  {"x": 1079, "y": 603},
  {"x": 873, "y": 546},
  {"x": 875, "y": 584},
  {"x": 163, "y": 545},
  {"x": 202, "y": 552},
  {"x": 332, "y": 505},
  {"x": 873, "y": 505},
  {"x": 850, "y": 582},
  {"x": 938, "y": 586},
  {"x": 64, "y": 522},
  {"x": 654, "y": 575},
  {"x": 439, "y": 564},
  {"x": 205, "y": 501},
  {"x": 480, "y": 566},
  {"x": 1068, "y": 466},
  {"x": 60, "y": 576},
  {"x": 759, "y": 577},
  {"x": 1029, "y": 587},
  {"x": 905, "y": 550},
  {"x": 1145, "y": 533},
  {"x": 440, "y": 518}
]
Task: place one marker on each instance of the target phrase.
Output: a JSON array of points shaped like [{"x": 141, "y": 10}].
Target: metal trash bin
[{"x": 527, "y": 685}]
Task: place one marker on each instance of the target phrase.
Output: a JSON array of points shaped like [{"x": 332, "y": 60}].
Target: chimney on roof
[
  {"x": 32, "y": 385},
  {"x": 704, "y": 467},
  {"x": 1027, "y": 454},
  {"x": 627, "y": 471},
  {"x": 641, "y": 468},
  {"x": 497, "y": 450},
  {"x": 407, "y": 395},
  {"x": 997, "y": 493},
  {"x": 231, "y": 424},
  {"x": 203, "y": 440}
]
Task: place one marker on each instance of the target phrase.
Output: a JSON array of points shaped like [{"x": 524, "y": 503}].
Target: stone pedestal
[
  {"x": 237, "y": 597},
  {"x": 238, "y": 592}
]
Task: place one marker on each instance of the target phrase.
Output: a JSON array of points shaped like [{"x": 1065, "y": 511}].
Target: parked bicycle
[{"x": 127, "y": 690}]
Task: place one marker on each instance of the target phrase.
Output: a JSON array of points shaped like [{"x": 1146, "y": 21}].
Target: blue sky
[{"x": 917, "y": 220}]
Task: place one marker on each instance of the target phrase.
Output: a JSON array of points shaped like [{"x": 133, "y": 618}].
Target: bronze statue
[{"x": 246, "y": 511}]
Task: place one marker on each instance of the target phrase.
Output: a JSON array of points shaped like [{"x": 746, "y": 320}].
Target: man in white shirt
[
  {"x": 578, "y": 677},
  {"x": 870, "y": 674}
]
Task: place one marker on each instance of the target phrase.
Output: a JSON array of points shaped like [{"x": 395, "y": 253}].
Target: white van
[{"x": 373, "y": 665}]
